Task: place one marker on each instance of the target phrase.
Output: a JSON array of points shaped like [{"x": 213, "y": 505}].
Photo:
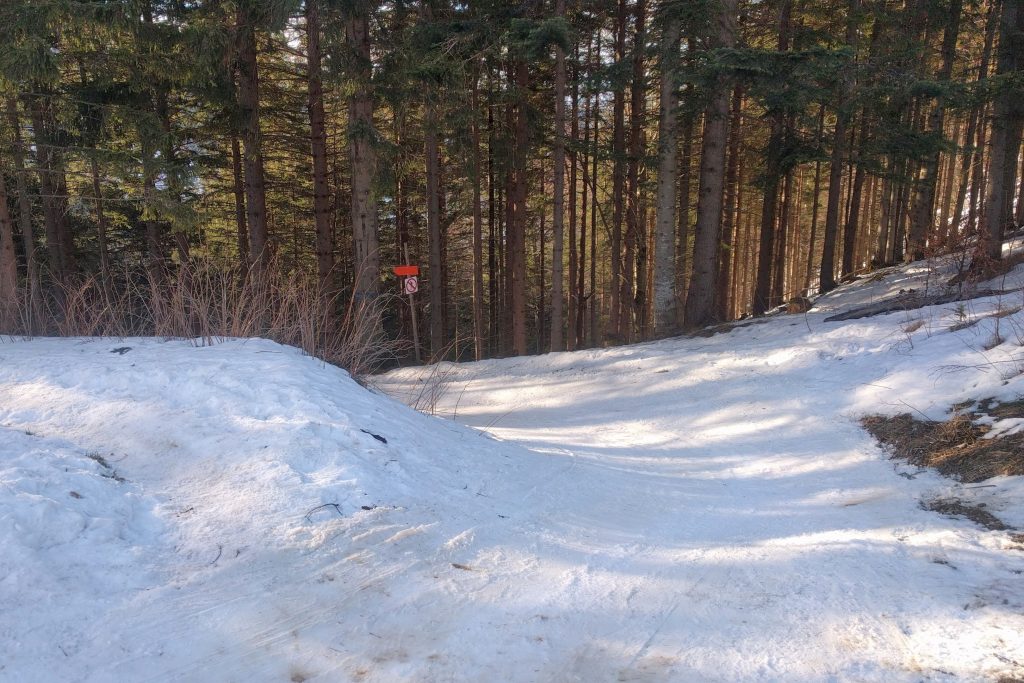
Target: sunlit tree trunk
[
  {"x": 665, "y": 208},
  {"x": 700, "y": 299}
]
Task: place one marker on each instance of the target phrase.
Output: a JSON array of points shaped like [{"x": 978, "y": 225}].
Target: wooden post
[{"x": 412, "y": 309}]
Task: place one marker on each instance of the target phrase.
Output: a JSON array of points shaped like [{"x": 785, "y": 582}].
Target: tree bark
[
  {"x": 633, "y": 270},
  {"x": 665, "y": 209},
  {"x": 558, "y": 217},
  {"x": 729, "y": 211},
  {"x": 318, "y": 147},
  {"x": 853, "y": 217},
  {"x": 923, "y": 212},
  {"x": 615, "y": 323},
  {"x": 574, "y": 255},
  {"x": 700, "y": 300},
  {"x": 8, "y": 266},
  {"x": 478, "y": 219},
  {"x": 101, "y": 221},
  {"x": 827, "y": 275},
  {"x": 238, "y": 187},
  {"x": 363, "y": 159},
  {"x": 1008, "y": 114},
  {"x": 684, "y": 225},
  {"x": 517, "y": 233},
  {"x": 28, "y": 238},
  {"x": 773, "y": 177},
  {"x": 49, "y": 164},
  {"x": 252, "y": 141},
  {"x": 433, "y": 158}
]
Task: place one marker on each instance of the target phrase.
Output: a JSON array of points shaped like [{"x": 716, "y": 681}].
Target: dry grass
[
  {"x": 205, "y": 302},
  {"x": 954, "y": 447}
]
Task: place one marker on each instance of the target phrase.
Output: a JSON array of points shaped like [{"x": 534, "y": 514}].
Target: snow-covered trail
[
  {"x": 721, "y": 516},
  {"x": 692, "y": 510}
]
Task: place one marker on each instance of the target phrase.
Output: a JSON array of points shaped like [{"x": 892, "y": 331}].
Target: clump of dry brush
[{"x": 205, "y": 302}]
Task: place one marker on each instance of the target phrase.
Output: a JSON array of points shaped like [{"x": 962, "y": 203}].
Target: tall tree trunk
[
  {"x": 541, "y": 256},
  {"x": 827, "y": 274},
  {"x": 363, "y": 159},
  {"x": 1008, "y": 113},
  {"x": 700, "y": 300},
  {"x": 508, "y": 335},
  {"x": 773, "y": 177},
  {"x": 815, "y": 205},
  {"x": 853, "y": 217},
  {"x": 8, "y": 266},
  {"x": 318, "y": 145},
  {"x": 778, "y": 288},
  {"x": 885, "y": 222},
  {"x": 101, "y": 221},
  {"x": 665, "y": 209},
  {"x": 558, "y": 218},
  {"x": 49, "y": 166},
  {"x": 739, "y": 243},
  {"x": 517, "y": 233},
  {"x": 978, "y": 170},
  {"x": 729, "y": 213},
  {"x": 615, "y": 322},
  {"x": 923, "y": 212},
  {"x": 433, "y": 158},
  {"x": 975, "y": 132},
  {"x": 948, "y": 182},
  {"x": 478, "y": 220},
  {"x": 593, "y": 215},
  {"x": 28, "y": 238},
  {"x": 684, "y": 225},
  {"x": 493, "y": 233},
  {"x": 238, "y": 187},
  {"x": 571, "y": 339},
  {"x": 252, "y": 140},
  {"x": 633, "y": 295},
  {"x": 581, "y": 292}
]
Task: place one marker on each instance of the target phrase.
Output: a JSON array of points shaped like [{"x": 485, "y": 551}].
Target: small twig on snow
[{"x": 336, "y": 506}]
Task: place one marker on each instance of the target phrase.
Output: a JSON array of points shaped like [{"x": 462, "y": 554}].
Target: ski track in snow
[{"x": 689, "y": 510}]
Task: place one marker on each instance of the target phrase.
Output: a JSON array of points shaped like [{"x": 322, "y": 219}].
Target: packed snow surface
[{"x": 702, "y": 509}]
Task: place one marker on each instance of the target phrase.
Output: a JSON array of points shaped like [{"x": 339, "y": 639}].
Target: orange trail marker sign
[{"x": 410, "y": 285}]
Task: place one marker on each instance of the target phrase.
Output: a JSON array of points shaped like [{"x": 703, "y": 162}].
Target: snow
[{"x": 702, "y": 509}]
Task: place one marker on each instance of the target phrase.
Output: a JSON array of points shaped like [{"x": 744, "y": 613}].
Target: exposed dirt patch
[
  {"x": 955, "y": 447},
  {"x": 953, "y": 507}
]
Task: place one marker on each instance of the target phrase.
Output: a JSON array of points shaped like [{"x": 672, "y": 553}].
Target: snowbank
[
  {"x": 221, "y": 513},
  {"x": 701, "y": 509}
]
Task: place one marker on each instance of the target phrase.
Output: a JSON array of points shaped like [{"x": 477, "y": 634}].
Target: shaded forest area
[{"x": 566, "y": 174}]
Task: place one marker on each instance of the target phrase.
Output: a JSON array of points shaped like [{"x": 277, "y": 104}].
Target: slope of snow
[
  {"x": 254, "y": 530},
  {"x": 692, "y": 510}
]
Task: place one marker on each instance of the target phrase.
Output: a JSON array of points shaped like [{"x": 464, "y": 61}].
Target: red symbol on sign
[
  {"x": 406, "y": 270},
  {"x": 411, "y": 285}
]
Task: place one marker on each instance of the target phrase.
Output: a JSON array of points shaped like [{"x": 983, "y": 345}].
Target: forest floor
[{"x": 695, "y": 509}]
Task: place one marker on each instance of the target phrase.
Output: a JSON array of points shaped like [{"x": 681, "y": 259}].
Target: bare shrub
[{"x": 205, "y": 302}]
